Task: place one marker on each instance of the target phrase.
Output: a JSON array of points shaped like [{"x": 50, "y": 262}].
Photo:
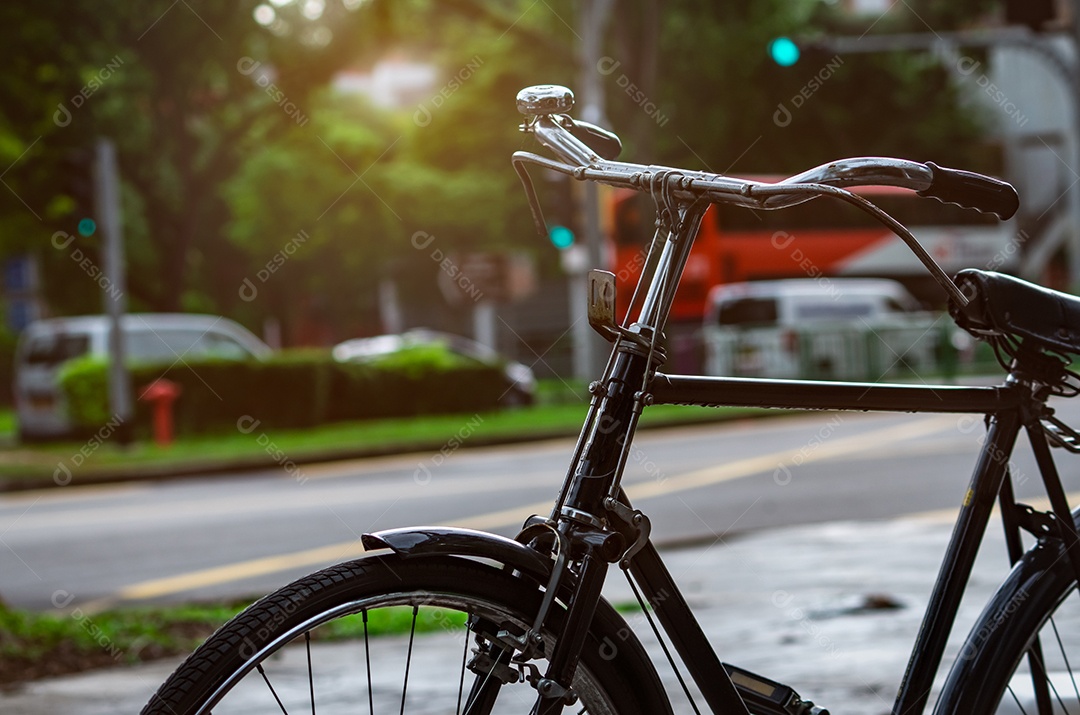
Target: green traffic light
[
  {"x": 87, "y": 226},
  {"x": 784, "y": 51},
  {"x": 561, "y": 237}
]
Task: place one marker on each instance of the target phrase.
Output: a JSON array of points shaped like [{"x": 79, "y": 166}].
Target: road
[{"x": 236, "y": 536}]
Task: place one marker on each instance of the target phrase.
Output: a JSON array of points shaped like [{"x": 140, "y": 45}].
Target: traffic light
[
  {"x": 784, "y": 51},
  {"x": 78, "y": 167},
  {"x": 562, "y": 214},
  {"x": 561, "y": 236}
]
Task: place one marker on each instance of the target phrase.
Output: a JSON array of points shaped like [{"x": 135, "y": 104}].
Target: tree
[
  {"x": 751, "y": 116},
  {"x": 232, "y": 141},
  {"x": 178, "y": 87}
]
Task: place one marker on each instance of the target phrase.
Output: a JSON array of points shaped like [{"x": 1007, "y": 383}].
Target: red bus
[{"x": 822, "y": 237}]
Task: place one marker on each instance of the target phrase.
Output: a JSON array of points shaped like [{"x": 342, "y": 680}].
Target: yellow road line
[{"x": 824, "y": 448}]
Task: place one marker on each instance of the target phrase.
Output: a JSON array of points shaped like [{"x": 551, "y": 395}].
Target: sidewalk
[{"x": 789, "y": 604}]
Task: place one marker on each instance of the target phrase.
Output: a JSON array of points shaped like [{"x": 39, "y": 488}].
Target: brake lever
[{"x": 530, "y": 194}]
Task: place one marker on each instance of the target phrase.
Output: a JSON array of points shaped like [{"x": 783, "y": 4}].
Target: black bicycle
[{"x": 497, "y": 625}]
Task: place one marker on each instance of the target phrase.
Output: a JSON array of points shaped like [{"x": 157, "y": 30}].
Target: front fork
[{"x": 582, "y": 524}]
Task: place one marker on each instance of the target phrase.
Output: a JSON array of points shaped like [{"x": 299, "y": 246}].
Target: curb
[{"x": 263, "y": 462}]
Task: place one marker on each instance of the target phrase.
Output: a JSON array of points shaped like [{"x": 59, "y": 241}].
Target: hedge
[{"x": 292, "y": 390}]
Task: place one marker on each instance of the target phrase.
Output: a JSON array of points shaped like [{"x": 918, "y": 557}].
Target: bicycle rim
[
  {"x": 376, "y": 647},
  {"x": 1046, "y": 677},
  {"x": 1023, "y": 655}
]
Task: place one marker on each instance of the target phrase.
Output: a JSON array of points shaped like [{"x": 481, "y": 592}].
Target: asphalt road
[{"x": 237, "y": 536}]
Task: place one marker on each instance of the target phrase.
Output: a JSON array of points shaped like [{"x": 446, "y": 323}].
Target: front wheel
[
  {"x": 1023, "y": 654},
  {"x": 385, "y": 634}
]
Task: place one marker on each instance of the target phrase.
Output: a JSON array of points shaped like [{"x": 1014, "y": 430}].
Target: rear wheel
[
  {"x": 1023, "y": 655},
  {"x": 385, "y": 634}
]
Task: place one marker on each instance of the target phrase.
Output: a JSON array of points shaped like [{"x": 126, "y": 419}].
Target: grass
[
  {"x": 560, "y": 411},
  {"x": 561, "y": 414},
  {"x": 34, "y": 645}
]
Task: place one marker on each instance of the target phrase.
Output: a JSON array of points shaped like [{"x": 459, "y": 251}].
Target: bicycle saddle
[{"x": 1002, "y": 304}]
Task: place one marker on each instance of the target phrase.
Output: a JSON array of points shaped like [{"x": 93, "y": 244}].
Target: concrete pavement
[{"x": 790, "y": 604}]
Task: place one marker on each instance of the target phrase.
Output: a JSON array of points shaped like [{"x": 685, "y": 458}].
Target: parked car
[
  {"x": 832, "y": 328},
  {"x": 46, "y": 346},
  {"x": 520, "y": 380}
]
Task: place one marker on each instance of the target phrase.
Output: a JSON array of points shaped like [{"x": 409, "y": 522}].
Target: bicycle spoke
[
  {"x": 1065, "y": 657},
  {"x": 1046, "y": 677},
  {"x": 311, "y": 675},
  {"x": 408, "y": 658},
  {"x": 272, "y": 691},
  {"x": 367, "y": 660},
  {"x": 1040, "y": 679},
  {"x": 1016, "y": 699},
  {"x": 479, "y": 689},
  {"x": 464, "y": 661},
  {"x": 475, "y": 694},
  {"x": 478, "y": 678}
]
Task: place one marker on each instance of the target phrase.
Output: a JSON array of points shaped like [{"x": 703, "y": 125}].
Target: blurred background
[
  {"x": 327, "y": 170},
  {"x": 301, "y": 218}
]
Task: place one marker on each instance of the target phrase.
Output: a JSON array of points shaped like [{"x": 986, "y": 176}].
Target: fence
[{"x": 910, "y": 348}]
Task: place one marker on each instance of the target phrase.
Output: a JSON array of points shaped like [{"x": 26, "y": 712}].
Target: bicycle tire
[
  {"x": 992, "y": 669},
  {"x": 614, "y": 675}
]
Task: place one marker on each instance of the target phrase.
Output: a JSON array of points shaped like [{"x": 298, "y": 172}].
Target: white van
[
  {"x": 822, "y": 328},
  {"x": 45, "y": 346}
]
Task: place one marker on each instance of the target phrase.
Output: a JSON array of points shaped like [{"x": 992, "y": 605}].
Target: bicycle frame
[
  {"x": 1008, "y": 408},
  {"x": 592, "y": 504},
  {"x": 1003, "y": 405},
  {"x": 593, "y": 521},
  {"x": 592, "y": 525}
]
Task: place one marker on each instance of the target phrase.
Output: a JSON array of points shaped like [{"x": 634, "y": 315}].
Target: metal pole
[
  {"x": 589, "y": 353},
  {"x": 107, "y": 208},
  {"x": 1074, "y": 182},
  {"x": 484, "y": 325}
]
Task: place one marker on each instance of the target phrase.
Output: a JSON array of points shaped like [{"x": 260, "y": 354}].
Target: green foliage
[
  {"x": 224, "y": 166},
  {"x": 33, "y": 645},
  {"x": 84, "y": 382},
  {"x": 394, "y": 620},
  {"x": 759, "y": 118},
  {"x": 293, "y": 390},
  {"x": 415, "y": 360}
]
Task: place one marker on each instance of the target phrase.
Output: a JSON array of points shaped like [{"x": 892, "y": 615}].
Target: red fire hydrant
[{"x": 162, "y": 393}]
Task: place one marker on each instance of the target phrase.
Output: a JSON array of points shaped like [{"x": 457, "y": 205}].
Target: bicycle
[{"x": 525, "y": 618}]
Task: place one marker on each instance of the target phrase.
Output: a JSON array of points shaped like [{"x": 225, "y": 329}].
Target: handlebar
[
  {"x": 545, "y": 108},
  {"x": 971, "y": 190}
]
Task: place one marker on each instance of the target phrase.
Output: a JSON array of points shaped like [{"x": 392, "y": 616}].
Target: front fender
[
  {"x": 617, "y": 639},
  {"x": 413, "y": 541}
]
